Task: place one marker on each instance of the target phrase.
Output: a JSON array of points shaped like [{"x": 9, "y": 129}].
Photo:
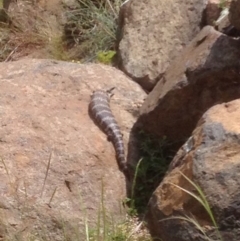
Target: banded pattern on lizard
[{"x": 100, "y": 112}]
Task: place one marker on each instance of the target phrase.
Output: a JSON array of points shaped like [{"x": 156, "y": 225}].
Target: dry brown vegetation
[
  {"x": 30, "y": 31},
  {"x": 50, "y": 29}
]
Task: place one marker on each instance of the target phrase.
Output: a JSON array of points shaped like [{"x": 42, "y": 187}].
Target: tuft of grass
[
  {"x": 106, "y": 228},
  {"x": 89, "y": 34},
  {"x": 202, "y": 200},
  {"x": 129, "y": 230},
  {"x": 191, "y": 220},
  {"x": 91, "y": 29},
  {"x": 109, "y": 229}
]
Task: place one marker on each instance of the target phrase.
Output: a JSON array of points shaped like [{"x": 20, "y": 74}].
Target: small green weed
[{"x": 106, "y": 57}]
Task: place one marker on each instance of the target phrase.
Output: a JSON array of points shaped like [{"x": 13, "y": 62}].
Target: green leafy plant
[{"x": 106, "y": 57}]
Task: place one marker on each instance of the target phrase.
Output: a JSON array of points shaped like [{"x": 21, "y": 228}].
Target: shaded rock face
[
  {"x": 234, "y": 12},
  {"x": 217, "y": 15},
  {"x": 45, "y": 122},
  {"x": 205, "y": 74},
  {"x": 213, "y": 10},
  {"x": 213, "y": 163},
  {"x": 152, "y": 33}
]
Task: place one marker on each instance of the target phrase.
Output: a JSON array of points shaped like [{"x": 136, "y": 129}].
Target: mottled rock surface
[
  {"x": 45, "y": 122},
  {"x": 213, "y": 163},
  {"x": 153, "y": 33},
  {"x": 205, "y": 74}
]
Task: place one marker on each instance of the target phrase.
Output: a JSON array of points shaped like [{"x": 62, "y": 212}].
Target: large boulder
[
  {"x": 211, "y": 159},
  {"x": 152, "y": 33},
  {"x": 57, "y": 168},
  {"x": 205, "y": 74}
]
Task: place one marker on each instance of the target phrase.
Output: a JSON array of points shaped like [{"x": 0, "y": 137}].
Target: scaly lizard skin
[{"x": 101, "y": 114}]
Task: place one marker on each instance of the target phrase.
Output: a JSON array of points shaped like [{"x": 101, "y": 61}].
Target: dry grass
[
  {"x": 91, "y": 29},
  {"x": 201, "y": 198},
  {"x": 83, "y": 34},
  {"x": 30, "y": 31}
]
